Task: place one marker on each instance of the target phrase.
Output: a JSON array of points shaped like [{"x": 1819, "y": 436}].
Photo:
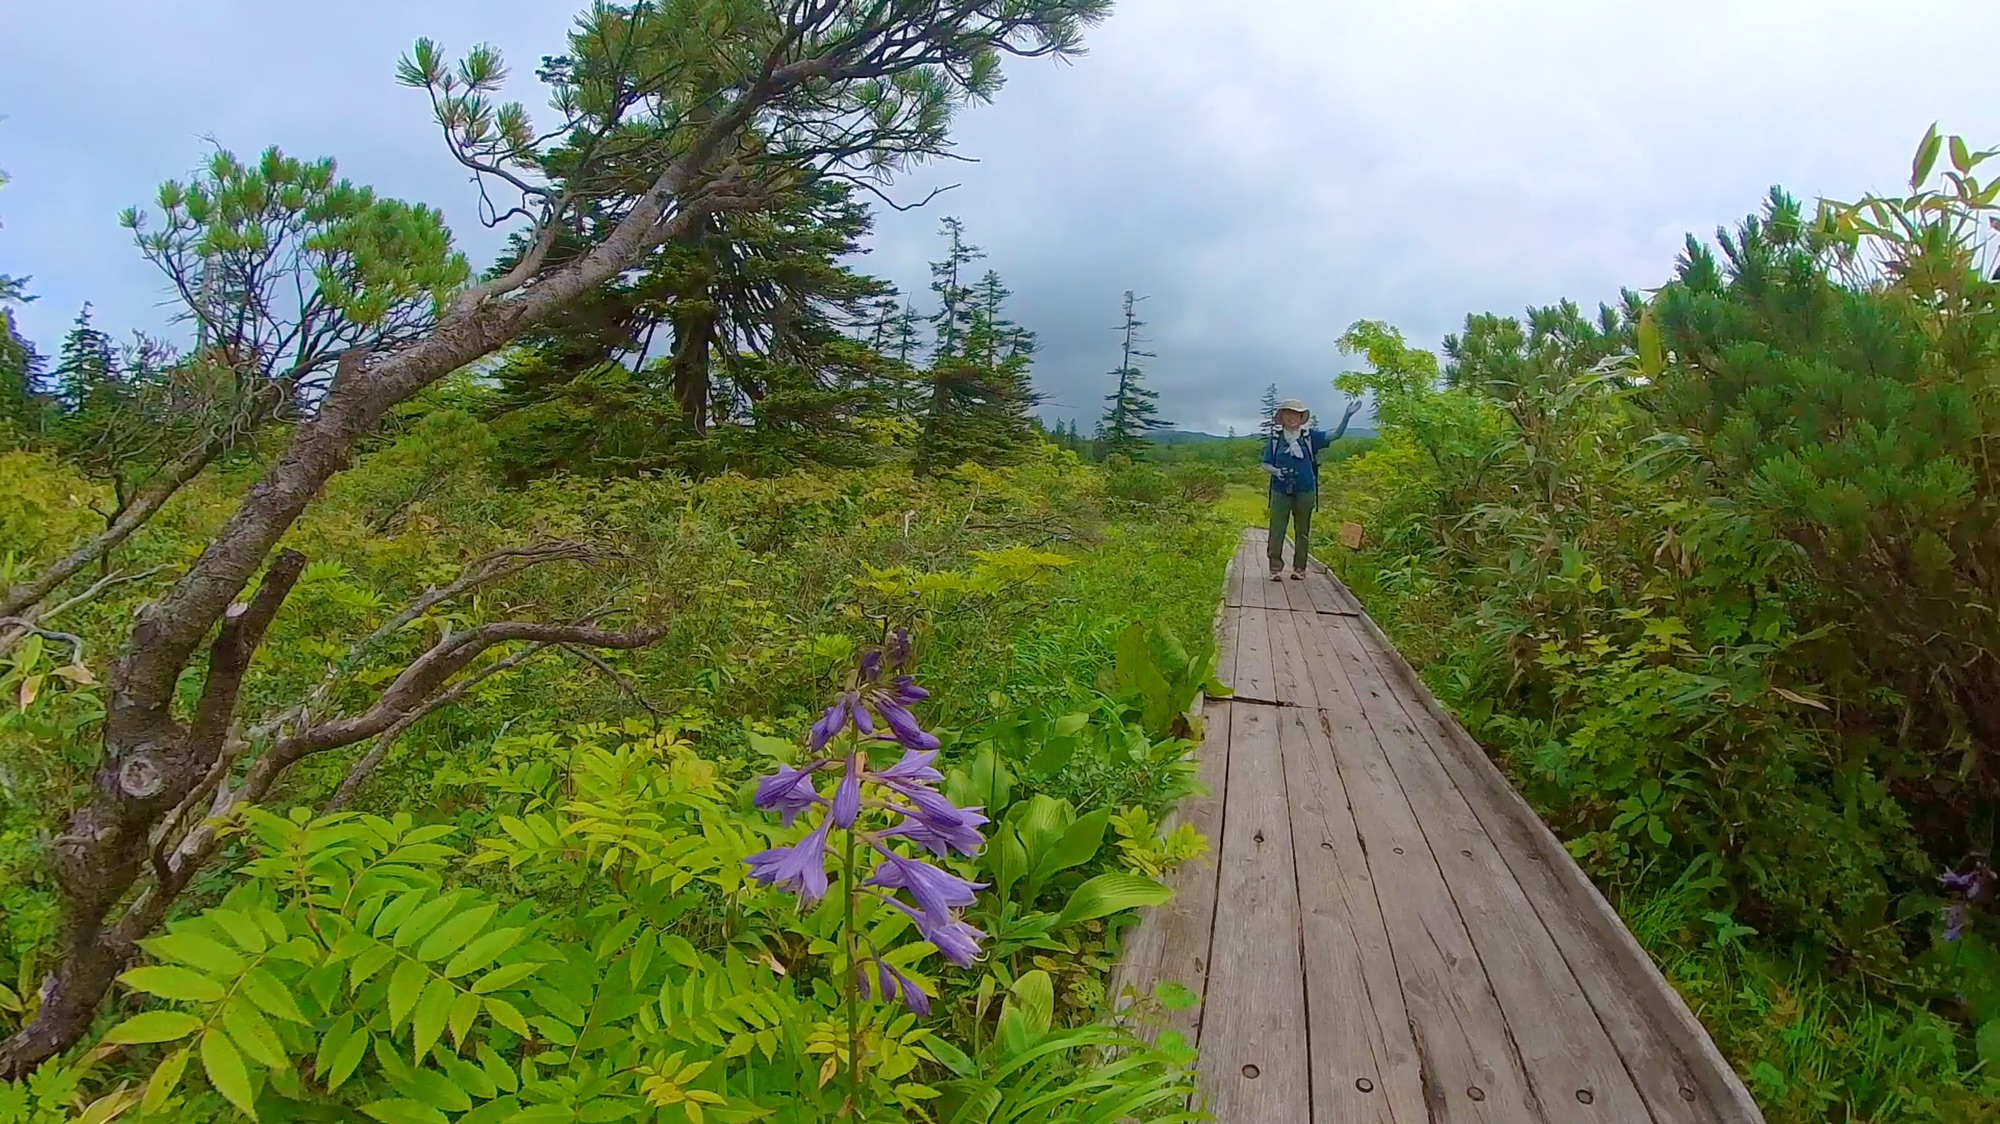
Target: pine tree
[
  {"x": 20, "y": 371},
  {"x": 1132, "y": 411},
  {"x": 1269, "y": 426}
]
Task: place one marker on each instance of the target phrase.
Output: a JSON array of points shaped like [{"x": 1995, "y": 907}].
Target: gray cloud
[{"x": 1266, "y": 172}]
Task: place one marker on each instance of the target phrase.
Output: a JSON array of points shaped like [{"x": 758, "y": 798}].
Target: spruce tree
[
  {"x": 980, "y": 394},
  {"x": 1269, "y": 425},
  {"x": 86, "y": 376},
  {"x": 1132, "y": 411}
]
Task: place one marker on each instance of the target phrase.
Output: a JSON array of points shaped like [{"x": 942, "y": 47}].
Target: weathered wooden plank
[
  {"x": 1298, "y": 595},
  {"x": 1364, "y": 1059},
  {"x": 1470, "y": 1068},
  {"x": 1226, "y": 630},
  {"x": 1256, "y": 671},
  {"x": 1682, "y": 1076},
  {"x": 1572, "y": 1066},
  {"x": 1172, "y": 942},
  {"x": 1291, "y": 674},
  {"x": 1319, "y": 587},
  {"x": 1253, "y": 1063},
  {"x": 1243, "y": 569}
]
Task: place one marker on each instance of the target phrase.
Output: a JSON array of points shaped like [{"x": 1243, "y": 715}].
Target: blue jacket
[{"x": 1296, "y": 473}]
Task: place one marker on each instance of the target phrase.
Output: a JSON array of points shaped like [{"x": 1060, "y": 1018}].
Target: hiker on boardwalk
[{"x": 1291, "y": 456}]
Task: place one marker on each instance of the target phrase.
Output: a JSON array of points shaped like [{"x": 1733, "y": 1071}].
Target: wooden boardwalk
[{"x": 1384, "y": 931}]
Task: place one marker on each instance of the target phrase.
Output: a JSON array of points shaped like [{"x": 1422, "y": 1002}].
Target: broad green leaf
[
  {"x": 1926, "y": 159},
  {"x": 164, "y": 1081},
  {"x": 1652, "y": 355},
  {"x": 1077, "y": 846},
  {"x": 432, "y": 1012},
  {"x": 367, "y": 962},
  {"x": 170, "y": 982},
  {"x": 453, "y": 934},
  {"x": 1175, "y": 996},
  {"x": 253, "y": 1035},
  {"x": 483, "y": 951},
  {"x": 330, "y": 1045},
  {"x": 1961, "y": 158},
  {"x": 225, "y": 1070},
  {"x": 1035, "y": 996},
  {"x": 154, "y": 1026},
  {"x": 1110, "y": 893},
  {"x": 196, "y": 951},
  {"x": 1987, "y": 1043},
  {"x": 406, "y": 986}
]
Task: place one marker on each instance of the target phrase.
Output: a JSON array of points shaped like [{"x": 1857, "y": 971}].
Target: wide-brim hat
[{"x": 1293, "y": 404}]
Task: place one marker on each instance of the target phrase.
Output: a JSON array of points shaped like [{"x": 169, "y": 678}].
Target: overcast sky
[{"x": 1265, "y": 172}]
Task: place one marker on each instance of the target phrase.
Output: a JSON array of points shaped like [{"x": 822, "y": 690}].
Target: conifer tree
[
  {"x": 1132, "y": 411},
  {"x": 1269, "y": 425},
  {"x": 980, "y": 394},
  {"x": 86, "y": 376}
]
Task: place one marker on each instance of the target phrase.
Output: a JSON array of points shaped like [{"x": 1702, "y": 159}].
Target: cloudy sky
[{"x": 1265, "y": 172}]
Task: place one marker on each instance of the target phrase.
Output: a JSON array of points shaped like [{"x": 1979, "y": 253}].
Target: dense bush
[
  {"x": 534, "y": 903},
  {"x": 1702, "y": 575}
]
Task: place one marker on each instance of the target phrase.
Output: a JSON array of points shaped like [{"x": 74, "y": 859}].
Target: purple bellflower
[
  {"x": 1973, "y": 886},
  {"x": 880, "y": 806}
]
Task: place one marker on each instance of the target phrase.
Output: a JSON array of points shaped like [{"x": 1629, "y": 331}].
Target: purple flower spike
[
  {"x": 863, "y": 721},
  {"x": 829, "y": 725},
  {"x": 800, "y": 868},
  {"x": 907, "y": 690},
  {"x": 904, "y": 724},
  {"x": 871, "y": 666},
  {"x": 789, "y": 791},
  {"x": 899, "y": 649},
  {"x": 941, "y": 837},
  {"x": 914, "y": 769},
  {"x": 937, "y": 891},
  {"x": 958, "y": 941},
  {"x": 892, "y": 984},
  {"x": 847, "y": 798}
]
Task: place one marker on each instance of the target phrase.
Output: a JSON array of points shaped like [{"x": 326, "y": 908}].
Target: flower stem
[{"x": 853, "y": 986}]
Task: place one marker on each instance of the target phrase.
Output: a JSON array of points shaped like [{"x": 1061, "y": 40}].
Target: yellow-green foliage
[{"x": 537, "y": 907}]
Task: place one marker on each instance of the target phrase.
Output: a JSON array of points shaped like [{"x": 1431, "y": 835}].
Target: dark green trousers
[{"x": 1296, "y": 509}]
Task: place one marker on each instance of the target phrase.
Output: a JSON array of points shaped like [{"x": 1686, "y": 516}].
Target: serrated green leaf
[
  {"x": 507, "y": 1015},
  {"x": 272, "y": 996},
  {"x": 170, "y": 982},
  {"x": 464, "y": 1009},
  {"x": 406, "y": 986},
  {"x": 164, "y": 1081},
  {"x": 433, "y": 1011},
  {"x": 1987, "y": 1043},
  {"x": 427, "y": 917},
  {"x": 367, "y": 962},
  {"x": 196, "y": 951},
  {"x": 253, "y": 1035},
  {"x": 153, "y": 1026},
  {"x": 505, "y": 976},
  {"x": 226, "y": 1072},
  {"x": 453, "y": 934},
  {"x": 1111, "y": 893},
  {"x": 497, "y": 1068},
  {"x": 347, "y": 1059},
  {"x": 241, "y": 928},
  {"x": 484, "y": 951}
]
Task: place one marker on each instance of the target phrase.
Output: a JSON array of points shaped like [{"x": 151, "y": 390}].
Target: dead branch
[{"x": 357, "y": 776}]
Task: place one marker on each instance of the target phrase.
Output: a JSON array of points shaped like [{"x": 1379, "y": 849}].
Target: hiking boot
[
  {"x": 1277, "y": 575},
  {"x": 1298, "y": 575}
]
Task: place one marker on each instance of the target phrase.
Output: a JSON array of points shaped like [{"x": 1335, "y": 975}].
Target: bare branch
[
  {"x": 25, "y": 627},
  {"x": 359, "y": 774}
]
